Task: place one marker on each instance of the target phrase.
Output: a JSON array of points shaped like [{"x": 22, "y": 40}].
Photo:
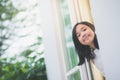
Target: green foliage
[
  {"x": 22, "y": 66},
  {"x": 28, "y": 69},
  {"x": 7, "y": 12}
]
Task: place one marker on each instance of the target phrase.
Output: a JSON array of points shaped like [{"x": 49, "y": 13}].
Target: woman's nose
[{"x": 83, "y": 35}]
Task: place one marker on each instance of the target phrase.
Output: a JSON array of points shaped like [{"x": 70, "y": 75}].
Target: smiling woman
[
  {"x": 85, "y": 35},
  {"x": 86, "y": 45}
]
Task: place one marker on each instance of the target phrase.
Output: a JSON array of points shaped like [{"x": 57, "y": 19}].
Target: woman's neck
[{"x": 92, "y": 46}]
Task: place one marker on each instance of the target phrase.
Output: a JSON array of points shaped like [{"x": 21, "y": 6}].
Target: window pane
[
  {"x": 75, "y": 76},
  {"x": 70, "y": 56}
]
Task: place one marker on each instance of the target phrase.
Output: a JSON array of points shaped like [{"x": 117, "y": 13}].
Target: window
[
  {"x": 66, "y": 14},
  {"x": 70, "y": 55}
]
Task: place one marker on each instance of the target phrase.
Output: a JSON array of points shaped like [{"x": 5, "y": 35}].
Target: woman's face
[{"x": 85, "y": 35}]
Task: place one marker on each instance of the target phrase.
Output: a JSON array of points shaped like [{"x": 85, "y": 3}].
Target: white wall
[
  {"x": 49, "y": 41},
  {"x": 106, "y": 16}
]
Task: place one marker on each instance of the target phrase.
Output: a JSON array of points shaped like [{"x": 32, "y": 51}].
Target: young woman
[{"x": 86, "y": 45}]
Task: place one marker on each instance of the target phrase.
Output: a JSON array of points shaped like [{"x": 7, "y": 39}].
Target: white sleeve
[{"x": 98, "y": 61}]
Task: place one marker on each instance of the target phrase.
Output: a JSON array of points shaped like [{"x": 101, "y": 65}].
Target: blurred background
[{"x": 21, "y": 47}]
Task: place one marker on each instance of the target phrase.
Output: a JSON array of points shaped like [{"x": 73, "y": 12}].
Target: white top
[
  {"x": 98, "y": 61},
  {"x": 85, "y": 69}
]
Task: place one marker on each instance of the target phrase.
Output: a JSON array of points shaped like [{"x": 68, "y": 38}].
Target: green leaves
[
  {"x": 28, "y": 63},
  {"x": 25, "y": 70},
  {"x": 7, "y": 12}
]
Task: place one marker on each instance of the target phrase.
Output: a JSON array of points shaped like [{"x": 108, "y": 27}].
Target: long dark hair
[{"x": 84, "y": 50}]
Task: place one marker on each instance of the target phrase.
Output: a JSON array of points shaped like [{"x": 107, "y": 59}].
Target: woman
[{"x": 86, "y": 45}]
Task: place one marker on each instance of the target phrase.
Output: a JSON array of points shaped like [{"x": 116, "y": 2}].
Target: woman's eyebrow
[{"x": 82, "y": 28}]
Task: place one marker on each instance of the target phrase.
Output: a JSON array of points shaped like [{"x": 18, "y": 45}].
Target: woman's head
[
  {"x": 85, "y": 35},
  {"x": 84, "y": 39}
]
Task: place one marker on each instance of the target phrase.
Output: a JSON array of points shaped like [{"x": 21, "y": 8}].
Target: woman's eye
[
  {"x": 78, "y": 35},
  {"x": 84, "y": 29}
]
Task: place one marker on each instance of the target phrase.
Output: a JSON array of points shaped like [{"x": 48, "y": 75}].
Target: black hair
[{"x": 84, "y": 50}]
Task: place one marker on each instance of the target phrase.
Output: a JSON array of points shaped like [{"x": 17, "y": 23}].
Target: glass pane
[
  {"x": 75, "y": 76},
  {"x": 70, "y": 56}
]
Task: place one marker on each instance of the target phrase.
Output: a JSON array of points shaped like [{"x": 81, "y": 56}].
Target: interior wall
[
  {"x": 49, "y": 41},
  {"x": 106, "y": 17}
]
